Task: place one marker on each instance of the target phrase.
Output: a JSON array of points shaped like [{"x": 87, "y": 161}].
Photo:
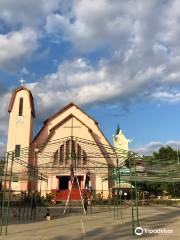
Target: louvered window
[
  {"x": 21, "y": 106},
  {"x": 70, "y": 152}
]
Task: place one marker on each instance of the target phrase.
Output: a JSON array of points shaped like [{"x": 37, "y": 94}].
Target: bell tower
[{"x": 21, "y": 116}]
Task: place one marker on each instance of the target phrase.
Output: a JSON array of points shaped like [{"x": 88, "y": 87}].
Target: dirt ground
[{"x": 96, "y": 225}]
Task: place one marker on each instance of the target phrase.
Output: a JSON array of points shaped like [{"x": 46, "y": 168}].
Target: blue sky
[{"x": 120, "y": 65}]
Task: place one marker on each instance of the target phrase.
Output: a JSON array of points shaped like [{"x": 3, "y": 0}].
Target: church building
[{"x": 70, "y": 149}]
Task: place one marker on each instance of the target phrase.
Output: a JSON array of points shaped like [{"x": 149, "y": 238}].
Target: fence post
[{"x": 9, "y": 192}]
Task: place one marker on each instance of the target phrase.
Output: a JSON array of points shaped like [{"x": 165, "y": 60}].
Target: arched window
[
  {"x": 61, "y": 160},
  {"x": 56, "y": 158},
  {"x": 21, "y": 106},
  {"x": 84, "y": 158},
  {"x": 79, "y": 154},
  {"x": 17, "y": 150},
  {"x": 68, "y": 152},
  {"x": 73, "y": 150}
]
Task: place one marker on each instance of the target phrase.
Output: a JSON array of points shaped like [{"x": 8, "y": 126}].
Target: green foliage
[
  {"x": 163, "y": 164},
  {"x": 167, "y": 153}
]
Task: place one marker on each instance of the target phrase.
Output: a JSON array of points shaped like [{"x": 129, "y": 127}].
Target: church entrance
[
  {"x": 64, "y": 187},
  {"x": 63, "y": 183}
]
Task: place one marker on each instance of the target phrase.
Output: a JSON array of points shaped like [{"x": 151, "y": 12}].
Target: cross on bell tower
[{"x": 21, "y": 81}]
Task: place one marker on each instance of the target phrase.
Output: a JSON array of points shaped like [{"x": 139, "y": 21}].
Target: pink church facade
[{"x": 63, "y": 137}]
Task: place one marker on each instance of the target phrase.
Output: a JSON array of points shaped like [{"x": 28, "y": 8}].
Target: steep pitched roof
[
  {"x": 15, "y": 91},
  {"x": 71, "y": 104},
  {"x": 60, "y": 124},
  {"x": 61, "y": 111},
  {"x": 65, "y": 120},
  {"x": 52, "y": 131}
]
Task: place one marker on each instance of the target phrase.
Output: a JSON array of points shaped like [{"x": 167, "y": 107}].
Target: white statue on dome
[{"x": 121, "y": 144}]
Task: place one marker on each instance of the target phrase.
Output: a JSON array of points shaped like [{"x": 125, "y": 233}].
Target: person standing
[{"x": 85, "y": 203}]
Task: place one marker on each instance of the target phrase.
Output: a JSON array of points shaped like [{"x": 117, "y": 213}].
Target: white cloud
[
  {"x": 21, "y": 25},
  {"x": 170, "y": 97},
  {"x": 143, "y": 44},
  {"x": 171, "y": 31},
  {"x": 2, "y": 149},
  {"x": 16, "y": 46},
  {"x": 77, "y": 80},
  {"x": 151, "y": 147},
  {"x": 144, "y": 39},
  {"x": 4, "y": 100},
  {"x": 55, "y": 23},
  {"x": 32, "y": 14},
  {"x": 139, "y": 39},
  {"x": 91, "y": 24},
  {"x": 24, "y": 71}
]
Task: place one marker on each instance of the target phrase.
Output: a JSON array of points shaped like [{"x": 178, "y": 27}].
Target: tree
[
  {"x": 163, "y": 164},
  {"x": 167, "y": 153}
]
